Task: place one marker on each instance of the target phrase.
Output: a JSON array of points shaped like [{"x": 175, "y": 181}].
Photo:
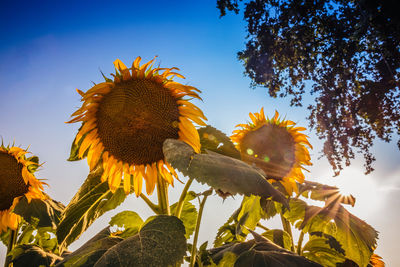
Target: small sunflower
[
  {"x": 16, "y": 180},
  {"x": 275, "y": 146},
  {"x": 126, "y": 121}
]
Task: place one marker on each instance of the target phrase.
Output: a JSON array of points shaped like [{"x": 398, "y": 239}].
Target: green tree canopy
[{"x": 345, "y": 53}]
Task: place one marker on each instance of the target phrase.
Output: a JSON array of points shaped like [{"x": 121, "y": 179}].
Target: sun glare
[{"x": 363, "y": 187}]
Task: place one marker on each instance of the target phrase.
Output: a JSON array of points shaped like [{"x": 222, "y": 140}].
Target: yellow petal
[{"x": 119, "y": 65}]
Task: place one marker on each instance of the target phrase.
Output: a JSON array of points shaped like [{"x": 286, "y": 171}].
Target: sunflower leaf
[
  {"x": 248, "y": 217},
  {"x": 223, "y": 173},
  {"x": 160, "y": 242},
  {"x": 129, "y": 220},
  {"x": 215, "y": 140},
  {"x": 260, "y": 252},
  {"x": 279, "y": 237},
  {"x": 92, "y": 200},
  {"x": 188, "y": 214},
  {"x": 30, "y": 255},
  {"x": 227, "y": 232},
  {"x": 318, "y": 249},
  {"x": 356, "y": 237},
  {"x": 41, "y": 213},
  {"x": 90, "y": 252}
]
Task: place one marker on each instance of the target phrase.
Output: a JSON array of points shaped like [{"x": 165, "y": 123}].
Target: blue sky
[{"x": 48, "y": 49}]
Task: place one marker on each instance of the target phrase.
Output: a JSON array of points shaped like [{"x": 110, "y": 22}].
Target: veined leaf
[
  {"x": 129, "y": 220},
  {"x": 215, "y": 140},
  {"x": 248, "y": 217},
  {"x": 92, "y": 200},
  {"x": 318, "y": 249},
  {"x": 260, "y": 252},
  {"x": 90, "y": 252},
  {"x": 46, "y": 213},
  {"x": 160, "y": 242},
  {"x": 227, "y": 232},
  {"x": 269, "y": 208},
  {"x": 279, "y": 237},
  {"x": 357, "y": 238},
  {"x": 220, "y": 172}
]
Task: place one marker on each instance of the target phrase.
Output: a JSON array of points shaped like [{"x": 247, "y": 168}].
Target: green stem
[
  {"x": 152, "y": 206},
  {"x": 288, "y": 229},
  {"x": 262, "y": 226},
  {"x": 198, "y": 221},
  {"x": 299, "y": 243},
  {"x": 162, "y": 193},
  {"x": 11, "y": 244},
  {"x": 182, "y": 198}
]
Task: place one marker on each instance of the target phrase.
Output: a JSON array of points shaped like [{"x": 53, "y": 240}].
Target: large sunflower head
[
  {"x": 126, "y": 120},
  {"x": 16, "y": 180},
  {"x": 276, "y": 146}
]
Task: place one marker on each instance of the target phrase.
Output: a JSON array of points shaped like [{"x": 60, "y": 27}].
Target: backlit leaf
[
  {"x": 129, "y": 220},
  {"x": 279, "y": 237},
  {"x": 318, "y": 249},
  {"x": 357, "y": 238}
]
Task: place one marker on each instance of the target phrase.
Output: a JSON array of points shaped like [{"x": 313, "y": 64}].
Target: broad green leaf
[
  {"x": 129, "y": 220},
  {"x": 227, "y": 260},
  {"x": 92, "y": 200},
  {"x": 90, "y": 252},
  {"x": 279, "y": 237},
  {"x": 227, "y": 232},
  {"x": 215, "y": 140},
  {"x": 330, "y": 240},
  {"x": 318, "y": 249},
  {"x": 248, "y": 217},
  {"x": 46, "y": 239},
  {"x": 188, "y": 214},
  {"x": 27, "y": 234},
  {"x": 30, "y": 255},
  {"x": 160, "y": 242},
  {"x": 357, "y": 238},
  {"x": 41, "y": 213},
  {"x": 269, "y": 208},
  {"x": 223, "y": 173},
  {"x": 260, "y": 252},
  {"x": 242, "y": 220}
]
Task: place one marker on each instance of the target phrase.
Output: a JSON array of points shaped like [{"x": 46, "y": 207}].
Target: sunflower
[
  {"x": 275, "y": 146},
  {"x": 16, "y": 180},
  {"x": 126, "y": 120}
]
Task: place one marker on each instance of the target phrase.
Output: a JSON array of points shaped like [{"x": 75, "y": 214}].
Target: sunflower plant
[{"x": 140, "y": 128}]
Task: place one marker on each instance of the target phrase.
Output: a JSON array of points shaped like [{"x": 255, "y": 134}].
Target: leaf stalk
[{"x": 198, "y": 221}]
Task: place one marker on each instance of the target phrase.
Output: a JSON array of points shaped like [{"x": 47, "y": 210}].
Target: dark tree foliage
[{"x": 346, "y": 51}]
